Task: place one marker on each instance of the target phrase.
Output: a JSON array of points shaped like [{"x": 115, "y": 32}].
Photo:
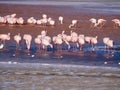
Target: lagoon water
[{"x": 12, "y": 78}]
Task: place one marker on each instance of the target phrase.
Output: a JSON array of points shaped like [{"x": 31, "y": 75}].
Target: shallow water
[{"x": 97, "y": 57}]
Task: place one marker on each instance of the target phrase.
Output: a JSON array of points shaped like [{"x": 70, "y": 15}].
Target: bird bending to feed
[
  {"x": 97, "y": 23},
  {"x": 73, "y": 24},
  {"x": 116, "y": 23},
  {"x": 60, "y": 19},
  {"x": 17, "y": 38},
  {"x": 28, "y": 39}
]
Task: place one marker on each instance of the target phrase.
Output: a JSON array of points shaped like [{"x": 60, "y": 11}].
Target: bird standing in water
[
  {"x": 17, "y": 38},
  {"x": 28, "y": 39}
]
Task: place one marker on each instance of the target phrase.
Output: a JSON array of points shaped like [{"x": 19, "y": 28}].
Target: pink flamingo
[
  {"x": 67, "y": 40},
  {"x": 109, "y": 44},
  {"x": 4, "y": 37},
  {"x": 73, "y": 24},
  {"x": 20, "y": 21},
  {"x": 81, "y": 41},
  {"x": 116, "y": 23},
  {"x": 51, "y": 22},
  {"x": 11, "y": 20},
  {"x": 96, "y": 23},
  {"x": 105, "y": 40},
  {"x": 44, "y": 16},
  {"x": 74, "y": 39},
  {"x": 60, "y": 18},
  {"x": 58, "y": 41},
  {"x": 28, "y": 39},
  {"x": 46, "y": 41},
  {"x": 44, "y": 19},
  {"x": 101, "y": 22},
  {"x": 38, "y": 42},
  {"x": 31, "y": 20},
  {"x": 3, "y": 20},
  {"x": 93, "y": 22},
  {"x": 17, "y": 38},
  {"x": 93, "y": 42}
]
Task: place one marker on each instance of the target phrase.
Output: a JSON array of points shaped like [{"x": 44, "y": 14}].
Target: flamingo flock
[
  {"x": 45, "y": 20},
  {"x": 43, "y": 41}
]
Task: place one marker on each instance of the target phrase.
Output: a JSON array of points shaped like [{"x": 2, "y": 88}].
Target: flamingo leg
[
  {"x": 17, "y": 46},
  {"x": 81, "y": 47},
  {"x": 93, "y": 47}
]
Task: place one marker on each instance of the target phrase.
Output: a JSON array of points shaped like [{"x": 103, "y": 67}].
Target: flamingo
[
  {"x": 58, "y": 41},
  {"x": 46, "y": 41},
  {"x": 44, "y": 16},
  {"x": 51, "y": 22},
  {"x": 38, "y": 41},
  {"x": 17, "y": 38},
  {"x": 74, "y": 39},
  {"x": 105, "y": 40},
  {"x": 101, "y": 22},
  {"x": 60, "y": 18},
  {"x": 93, "y": 42},
  {"x": 109, "y": 43},
  {"x": 96, "y": 23},
  {"x": 67, "y": 40},
  {"x": 28, "y": 39},
  {"x": 73, "y": 34},
  {"x": 31, "y": 20},
  {"x": 116, "y": 23},
  {"x": 12, "y": 21},
  {"x": 2, "y": 20},
  {"x": 73, "y": 24},
  {"x": 39, "y": 22},
  {"x": 4, "y": 37},
  {"x": 44, "y": 19},
  {"x": 63, "y": 36},
  {"x": 93, "y": 22},
  {"x": 20, "y": 21},
  {"x": 81, "y": 41}
]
